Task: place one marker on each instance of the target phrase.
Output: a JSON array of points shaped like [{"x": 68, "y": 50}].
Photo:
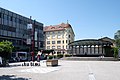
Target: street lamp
[{"x": 33, "y": 40}]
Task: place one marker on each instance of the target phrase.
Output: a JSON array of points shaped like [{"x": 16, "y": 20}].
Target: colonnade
[{"x": 87, "y": 50}]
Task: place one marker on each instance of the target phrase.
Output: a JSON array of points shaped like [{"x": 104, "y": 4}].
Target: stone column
[
  {"x": 98, "y": 49},
  {"x": 75, "y": 50},
  {"x": 83, "y": 49},
  {"x": 102, "y": 50},
  {"x": 72, "y": 50},
  {"x": 86, "y": 48},
  {"x": 90, "y": 49},
  {"x": 79, "y": 49},
  {"x": 94, "y": 49}
]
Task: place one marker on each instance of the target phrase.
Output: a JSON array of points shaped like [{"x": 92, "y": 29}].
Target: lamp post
[{"x": 33, "y": 40}]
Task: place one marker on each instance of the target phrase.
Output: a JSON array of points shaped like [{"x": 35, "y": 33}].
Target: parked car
[
  {"x": 20, "y": 56},
  {"x": 12, "y": 59}
]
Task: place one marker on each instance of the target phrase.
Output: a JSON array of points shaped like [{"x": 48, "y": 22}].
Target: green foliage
[
  {"x": 117, "y": 41},
  {"x": 68, "y": 55},
  {"x": 6, "y": 48},
  {"x": 50, "y": 57},
  {"x": 115, "y": 52},
  {"x": 54, "y": 56},
  {"x": 59, "y": 55}
]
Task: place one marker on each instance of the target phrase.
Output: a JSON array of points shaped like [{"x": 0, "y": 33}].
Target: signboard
[
  {"x": 36, "y": 45},
  {"x": 39, "y": 44},
  {"x": 28, "y": 41},
  {"x": 29, "y": 26},
  {"x": 35, "y": 35}
]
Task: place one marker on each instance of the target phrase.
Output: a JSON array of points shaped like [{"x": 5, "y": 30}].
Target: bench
[{"x": 52, "y": 62}]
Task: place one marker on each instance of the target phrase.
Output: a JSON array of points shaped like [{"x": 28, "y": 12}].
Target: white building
[{"x": 58, "y": 37}]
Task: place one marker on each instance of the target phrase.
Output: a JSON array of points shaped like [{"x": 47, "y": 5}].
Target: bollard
[
  {"x": 39, "y": 64},
  {"x": 24, "y": 64},
  {"x": 27, "y": 64},
  {"x": 31, "y": 63},
  {"x": 35, "y": 64}
]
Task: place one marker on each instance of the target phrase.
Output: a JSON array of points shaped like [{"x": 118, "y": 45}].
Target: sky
[{"x": 90, "y": 19}]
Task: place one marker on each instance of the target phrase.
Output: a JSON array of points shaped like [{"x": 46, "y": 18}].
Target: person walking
[
  {"x": 0, "y": 60},
  {"x": 38, "y": 56}
]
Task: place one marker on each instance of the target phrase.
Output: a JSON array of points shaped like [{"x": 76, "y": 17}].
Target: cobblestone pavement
[{"x": 67, "y": 70}]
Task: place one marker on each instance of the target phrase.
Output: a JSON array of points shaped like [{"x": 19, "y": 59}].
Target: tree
[
  {"x": 117, "y": 42},
  {"x": 6, "y": 48},
  {"x": 115, "y": 52}
]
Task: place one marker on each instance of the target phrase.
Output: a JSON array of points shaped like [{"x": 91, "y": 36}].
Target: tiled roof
[{"x": 59, "y": 27}]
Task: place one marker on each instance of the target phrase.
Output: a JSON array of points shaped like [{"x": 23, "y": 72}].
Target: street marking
[
  {"x": 40, "y": 69},
  {"x": 91, "y": 75}
]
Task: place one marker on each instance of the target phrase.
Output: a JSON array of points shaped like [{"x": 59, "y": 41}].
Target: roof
[
  {"x": 59, "y": 27},
  {"x": 90, "y": 42},
  {"x": 107, "y": 39}
]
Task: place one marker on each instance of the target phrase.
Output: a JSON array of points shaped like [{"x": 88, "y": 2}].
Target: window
[
  {"x": 53, "y": 36},
  {"x": 53, "y": 42},
  {"x": 63, "y": 36},
  {"x": 69, "y": 36},
  {"x": 63, "y": 41},
  {"x": 58, "y": 32},
  {"x": 59, "y": 36},
  {"x": 5, "y": 33},
  {"x": 58, "y": 42},
  {"x": 58, "y": 47},
  {"x": 69, "y": 41},
  {"x": 48, "y": 36},
  {"x": 20, "y": 21},
  {"x": 11, "y": 18},
  {"x": 48, "y": 33},
  {"x": 63, "y": 47},
  {"x": 1, "y": 32},
  {"x": 0, "y": 15},
  {"x": 66, "y": 36},
  {"x": 48, "y": 42},
  {"x": 5, "y": 16},
  {"x": 53, "y": 32},
  {"x": 66, "y": 47},
  {"x": 17, "y": 20},
  {"x": 69, "y": 31},
  {"x": 66, "y": 41},
  {"x": 53, "y": 47},
  {"x": 48, "y": 47}
]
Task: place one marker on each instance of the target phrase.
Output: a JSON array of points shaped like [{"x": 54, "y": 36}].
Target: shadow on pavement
[{"x": 12, "y": 77}]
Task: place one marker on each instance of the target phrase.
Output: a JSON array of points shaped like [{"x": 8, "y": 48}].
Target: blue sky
[{"x": 89, "y": 18}]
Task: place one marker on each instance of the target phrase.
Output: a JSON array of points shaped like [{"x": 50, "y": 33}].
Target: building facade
[
  {"x": 57, "y": 37},
  {"x": 92, "y": 47},
  {"x": 14, "y": 28}
]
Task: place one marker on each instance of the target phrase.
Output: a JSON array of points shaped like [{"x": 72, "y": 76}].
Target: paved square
[{"x": 67, "y": 70}]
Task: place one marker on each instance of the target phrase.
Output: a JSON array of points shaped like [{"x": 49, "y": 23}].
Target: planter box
[{"x": 52, "y": 62}]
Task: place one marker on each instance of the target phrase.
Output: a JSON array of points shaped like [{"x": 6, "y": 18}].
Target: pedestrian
[
  {"x": 0, "y": 60},
  {"x": 38, "y": 55}
]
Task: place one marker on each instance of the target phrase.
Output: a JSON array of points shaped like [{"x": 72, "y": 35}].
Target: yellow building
[{"x": 57, "y": 37}]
